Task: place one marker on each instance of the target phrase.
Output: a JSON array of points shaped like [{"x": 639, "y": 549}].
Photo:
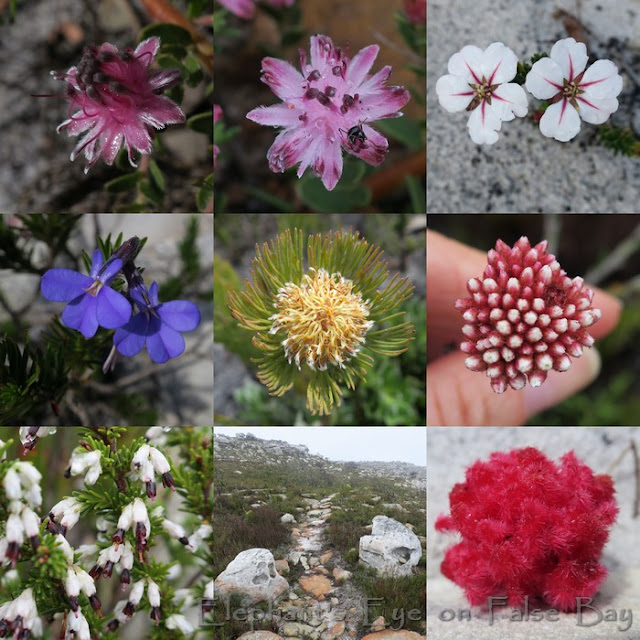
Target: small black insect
[{"x": 356, "y": 134}]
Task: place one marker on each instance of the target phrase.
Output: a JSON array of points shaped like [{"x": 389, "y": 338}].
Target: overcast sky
[{"x": 405, "y": 444}]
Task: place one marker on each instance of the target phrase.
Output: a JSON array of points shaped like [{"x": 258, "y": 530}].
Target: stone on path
[
  {"x": 287, "y": 518},
  {"x": 259, "y": 635},
  {"x": 341, "y": 575},
  {"x": 389, "y": 634},
  {"x": 317, "y": 586},
  {"x": 252, "y": 574}
]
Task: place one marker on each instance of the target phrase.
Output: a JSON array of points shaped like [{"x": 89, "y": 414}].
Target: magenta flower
[
  {"x": 115, "y": 99},
  {"x": 574, "y": 92},
  {"x": 327, "y": 107},
  {"x": 217, "y": 114},
  {"x": 246, "y": 8},
  {"x": 525, "y": 316}
]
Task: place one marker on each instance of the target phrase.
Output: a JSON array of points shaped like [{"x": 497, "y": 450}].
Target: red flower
[
  {"x": 525, "y": 316},
  {"x": 529, "y": 527}
]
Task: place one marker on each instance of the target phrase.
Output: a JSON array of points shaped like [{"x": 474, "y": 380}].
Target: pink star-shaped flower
[
  {"x": 115, "y": 99},
  {"x": 478, "y": 81},
  {"x": 573, "y": 92},
  {"x": 327, "y": 107},
  {"x": 246, "y": 8}
]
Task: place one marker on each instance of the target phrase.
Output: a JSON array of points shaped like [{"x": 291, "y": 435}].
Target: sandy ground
[
  {"x": 451, "y": 450},
  {"x": 524, "y": 171}
]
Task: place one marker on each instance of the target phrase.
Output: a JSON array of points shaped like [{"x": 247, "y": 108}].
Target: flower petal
[
  {"x": 129, "y": 339},
  {"x": 63, "y": 285},
  {"x": 165, "y": 344},
  {"x": 467, "y": 64},
  {"x": 511, "y": 99},
  {"x": 361, "y": 64},
  {"x": 560, "y": 121},
  {"x": 147, "y": 49},
  {"x": 596, "y": 110},
  {"x": 601, "y": 80},
  {"x": 499, "y": 63},
  {"x": 277, "y": 115},
  {"x": 545, "y": 79},
  {"x": 384, "y": 104},
  {"x": 181, "y": 315},
  {"x": 454, "y": 93},
  {"x": 484, "y": 123},
  {"x": 242, "y": 8},
  {"x": 571, "y": 56},
  {"x": 113, "y": 309},
  {"x": 81, "y": 314},
  {"x": 328, "y": 164},
  {"x": 282, "y": 78},
  {"x": 375, "y": 150}
]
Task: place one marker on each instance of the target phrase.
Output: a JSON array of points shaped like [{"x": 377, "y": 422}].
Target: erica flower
[
  {"x": 147, "y": 460},
  {"x": 322, "y": 325},
  {"x": 525, "y": 316},
  {"x": 114, "y": 99},
  {"x": 87, "y": 462},
  {"x": 19, "y": 617},
  {"x": 157, "y": 325},
  {"x": 29, "y": 435},
  {"x": 92, "y": 302},
  {"x": 573, "y": 92},
  {"x": 478, "y": 81},
  {"x": 64, "y": 515},
  {"x": 327, "y": 106},
  {"x": 529, "y": 527}
]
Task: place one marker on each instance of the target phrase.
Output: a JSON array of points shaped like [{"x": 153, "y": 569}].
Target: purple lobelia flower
[
  {"x": 114, "y": 99},
  {"x": 328, "y": 106},
  {"x": 92, "y": 302},
  {"x": 157, "y": 325}
]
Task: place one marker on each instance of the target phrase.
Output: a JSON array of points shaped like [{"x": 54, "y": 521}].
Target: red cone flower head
[
  {"x": 530, "y": 528},
  {"x": 525, "y": 316},
  {"x": 115, "y": 99}
]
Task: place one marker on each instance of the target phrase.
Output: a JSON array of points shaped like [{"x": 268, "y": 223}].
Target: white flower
[
  {"x": 11, "y": 484},
  {"x": 203, "y": 532},
  {"x": 30, "y": 434},
  {"x": 126, "y": 517},
  {"x": 478, "y": 81},
  {"x": 175, "y": 531},
  {"x": 135, "y": 595},
  {"x": 208, "y": 590},
  {"x": 86, "y": 461},
  {"x": 15, "y": 529},
  {"x": 574, "y": 93},
  {"x": 23, "y": 607},
  {"x": 153, "y": 593},
  {"x": 72, "y": 586},
  {"x": 179, "y": 622},
  {"x": 140, "y": 457},
  {"x": 65, "y": 514},
  {"x": 77, "y": 627},
  {"x": 140, "y": 515},
  {"x": 157, "y": 435},
  {"x": 65, "y": 547},
  {"x": 30, "y": 522},
  {"x": 160, "y": 463}
]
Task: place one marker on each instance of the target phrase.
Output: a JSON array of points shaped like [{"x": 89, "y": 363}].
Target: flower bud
[
  {"x": 175, "y": 530},
  {"x": 179, "y": 622}
]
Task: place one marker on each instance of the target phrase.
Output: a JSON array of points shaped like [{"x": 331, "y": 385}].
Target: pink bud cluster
[{"x": 524, "y": 316}]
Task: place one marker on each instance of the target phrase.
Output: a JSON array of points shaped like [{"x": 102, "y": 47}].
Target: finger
[{"x": 459, "y": 397}]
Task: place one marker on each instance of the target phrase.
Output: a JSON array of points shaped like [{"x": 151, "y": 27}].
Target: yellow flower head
[
  {"x": 324, "y": 320},
  {"x": 329, "y": 319}
]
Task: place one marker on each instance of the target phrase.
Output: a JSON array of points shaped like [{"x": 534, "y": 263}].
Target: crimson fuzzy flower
[
  {"x": 530, "y": 528},
  {"x": 525, "y": 316}
]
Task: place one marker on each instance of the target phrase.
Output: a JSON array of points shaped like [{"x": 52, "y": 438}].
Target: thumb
[{"x": 459, "y": 397}]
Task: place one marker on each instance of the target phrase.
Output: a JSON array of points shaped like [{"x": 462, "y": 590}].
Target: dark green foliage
[
  {"x": 525, "y": 67},
  {"x": 619, "y": 139}
]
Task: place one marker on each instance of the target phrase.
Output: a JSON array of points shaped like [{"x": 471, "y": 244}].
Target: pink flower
[
  {"x": 525, "y": 316},
  {"x": 326, "y": 108},
  {"x": 115, "y": 100},
  {"x": 529, "y": 528},
  {"x": 478, "y": 81},
  {"x": 574, "y": 93},
  {"x": 217, "y": 114},
  {"x": 246, "y": 8},
  {"x": 416, "y": 11}
]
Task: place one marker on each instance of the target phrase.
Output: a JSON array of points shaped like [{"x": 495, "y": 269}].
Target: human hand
[{"x": 457, "y": 396}]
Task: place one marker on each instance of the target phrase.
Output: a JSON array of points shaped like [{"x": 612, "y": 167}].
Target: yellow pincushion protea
[{"x": 324, "y": 324}]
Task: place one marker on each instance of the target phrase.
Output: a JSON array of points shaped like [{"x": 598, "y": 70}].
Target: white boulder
[
  {"x": 287, "y": 518},
  {"x": 252, "y": 574},
  {"x": 391, "y": 549}
]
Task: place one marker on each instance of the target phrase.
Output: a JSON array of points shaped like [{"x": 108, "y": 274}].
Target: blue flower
[
  {"x": 157, "y": 325},
  {"x": 92, "y": 302}
]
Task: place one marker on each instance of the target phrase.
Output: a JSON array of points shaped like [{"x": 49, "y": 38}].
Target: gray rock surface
[
  {"x": 392, "y": 549},
  {"x": 252, "y": 574},
  {"x": 524, "y": 172}
]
